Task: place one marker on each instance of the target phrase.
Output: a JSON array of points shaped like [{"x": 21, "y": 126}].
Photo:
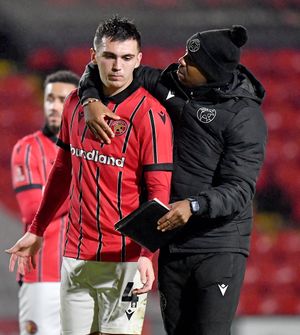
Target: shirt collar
[
  {"x": 48, "y": 133},
  {"x": 120, "y": 97}
]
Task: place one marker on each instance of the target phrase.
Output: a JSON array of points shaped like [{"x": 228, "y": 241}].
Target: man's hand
[
  {"x": 145, "y": 268},
  {"x": 95, "y": 114},
  {"x": 178, "y": 215},
  {"x": 24, "y": 252}
]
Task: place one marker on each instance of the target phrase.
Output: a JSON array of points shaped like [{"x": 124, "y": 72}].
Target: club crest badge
[
  {"x": 206, "y": 115},
  {"x": 194, "y": 45},
  {"x": 119, "y": 127}
]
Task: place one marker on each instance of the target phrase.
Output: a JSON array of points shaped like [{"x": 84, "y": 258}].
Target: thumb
[
  {"x": 33, "y": 261},
  {"x": 112, "y": 115},
  {"x": 143, "y": 277},
  {"x": 11, "y": 250}
]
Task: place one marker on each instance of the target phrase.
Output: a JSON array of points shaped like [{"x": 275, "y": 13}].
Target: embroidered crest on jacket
[{"x": 206, "y": 115}]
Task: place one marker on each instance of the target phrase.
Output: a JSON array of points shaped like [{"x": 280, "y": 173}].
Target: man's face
[
  {"x": 188, "y": 74},
  {"x": 54, "y": 97},
  {"x": 116, "y": 61}
]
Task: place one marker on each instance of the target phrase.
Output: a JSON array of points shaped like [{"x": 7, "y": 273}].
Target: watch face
[{"x": 194, "y": 206}]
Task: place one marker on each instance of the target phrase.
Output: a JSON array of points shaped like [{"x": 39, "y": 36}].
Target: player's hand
[
  {"x": 145, "y": 268},
  {"x": 178, "y": 215},
  {"x": 23, "y": 253},
  {"x": 96, "y": 115}
]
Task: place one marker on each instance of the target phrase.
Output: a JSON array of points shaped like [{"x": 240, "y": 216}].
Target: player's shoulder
[
  {"x": 72, "y": 97},
  {"x": 30, "y": 138},
  {"x": 152, "y": 111},
  {"x": 71, "y": 101},
  {"x": 150, "y": 101}
]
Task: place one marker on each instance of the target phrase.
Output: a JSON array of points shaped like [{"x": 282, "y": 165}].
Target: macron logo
[
  {"x": 170, "y": 95},
  {"x": 162, "y": 116},
  {"x": 129, "y": 313},
  {"x": 96, "y": 157},
  {"x": 223, "y": 288}
]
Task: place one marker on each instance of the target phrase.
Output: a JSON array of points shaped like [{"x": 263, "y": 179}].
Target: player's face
[
  {"x": 54, "y": 97},
  {"x": 116, "y": 61},
  {"x": 188, "y": 74}
]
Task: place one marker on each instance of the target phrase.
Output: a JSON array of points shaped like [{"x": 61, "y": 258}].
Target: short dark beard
[
  {"x": 49, "y": 133},
  {"x": 53, "y": 129}
]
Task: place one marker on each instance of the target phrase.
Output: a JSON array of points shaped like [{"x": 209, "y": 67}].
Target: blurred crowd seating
[
  {"x": 20, "y": 114},
  {"x": 271, "y": 285},
  {"x": 280, "y": 4},
  {"x": 272, "y": 279}
]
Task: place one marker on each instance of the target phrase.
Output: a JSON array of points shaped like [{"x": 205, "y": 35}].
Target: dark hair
[
  {"x": 62, "y": 76},
  {"x": 117, "y": 29}
]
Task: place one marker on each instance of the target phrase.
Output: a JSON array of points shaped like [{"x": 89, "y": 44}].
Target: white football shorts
[
  {"x": 96, "y": 297},
  {"x": 39, "y": 308}
]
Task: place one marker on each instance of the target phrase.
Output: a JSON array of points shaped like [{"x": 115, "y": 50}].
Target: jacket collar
[{"x": 242, "y": 85}]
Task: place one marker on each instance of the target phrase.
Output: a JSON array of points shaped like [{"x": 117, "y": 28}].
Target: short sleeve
[
  {"x": 25, "y": 168},
  {"x": 155, "y": 136}
]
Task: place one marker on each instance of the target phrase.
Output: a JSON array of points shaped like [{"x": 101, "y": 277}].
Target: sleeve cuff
[
  {"x": 90, "y": 93},
  {"x": 203, "y": 205},
  {"x": 34, "y": 229}
]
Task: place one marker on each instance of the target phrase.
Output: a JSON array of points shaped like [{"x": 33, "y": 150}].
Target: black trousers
[{"x": 199, "y": 293}]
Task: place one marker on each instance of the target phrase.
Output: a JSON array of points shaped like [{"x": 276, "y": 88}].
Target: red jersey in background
[{"x": 32, "y": 159}]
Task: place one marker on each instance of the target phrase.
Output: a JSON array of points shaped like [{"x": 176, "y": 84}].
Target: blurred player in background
[{"x": 32, "y": 158}]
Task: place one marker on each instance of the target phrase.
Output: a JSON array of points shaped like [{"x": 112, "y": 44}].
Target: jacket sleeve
[
  {"x": 237, "y": 173},
  {"x": 148, "y": 78},
  {"x": 90, "y": 81}
]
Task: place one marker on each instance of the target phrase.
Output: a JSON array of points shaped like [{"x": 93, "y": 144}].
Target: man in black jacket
[{"x": 219, "y": 144}]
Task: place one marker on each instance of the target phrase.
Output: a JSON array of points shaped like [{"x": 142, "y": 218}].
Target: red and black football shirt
[{"x": 107, "y": 180}]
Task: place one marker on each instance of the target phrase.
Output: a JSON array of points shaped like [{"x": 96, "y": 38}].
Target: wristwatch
[{"x": 194, "y": 205}]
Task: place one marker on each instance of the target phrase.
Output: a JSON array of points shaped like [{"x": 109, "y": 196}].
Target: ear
[
  {"x": 93, "y": 55},
  {"x": 139, "y": 59}
]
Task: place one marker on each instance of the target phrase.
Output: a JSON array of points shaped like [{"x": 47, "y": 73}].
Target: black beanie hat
[{"x": 217, "y": 52}]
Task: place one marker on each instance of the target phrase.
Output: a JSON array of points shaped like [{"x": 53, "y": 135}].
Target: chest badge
[
  {"x": 119, "y": 127},
  {"x": 206, "y": 115}
]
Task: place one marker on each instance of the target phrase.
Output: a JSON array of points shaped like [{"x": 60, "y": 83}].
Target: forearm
[
  {"x": 227, "y": 199},
  {"x": 158, "y": 186},
  {"x": 62, "y": 210},
  {"x": 89, "y": 83},
  {"x": 56, "y": 192}
]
